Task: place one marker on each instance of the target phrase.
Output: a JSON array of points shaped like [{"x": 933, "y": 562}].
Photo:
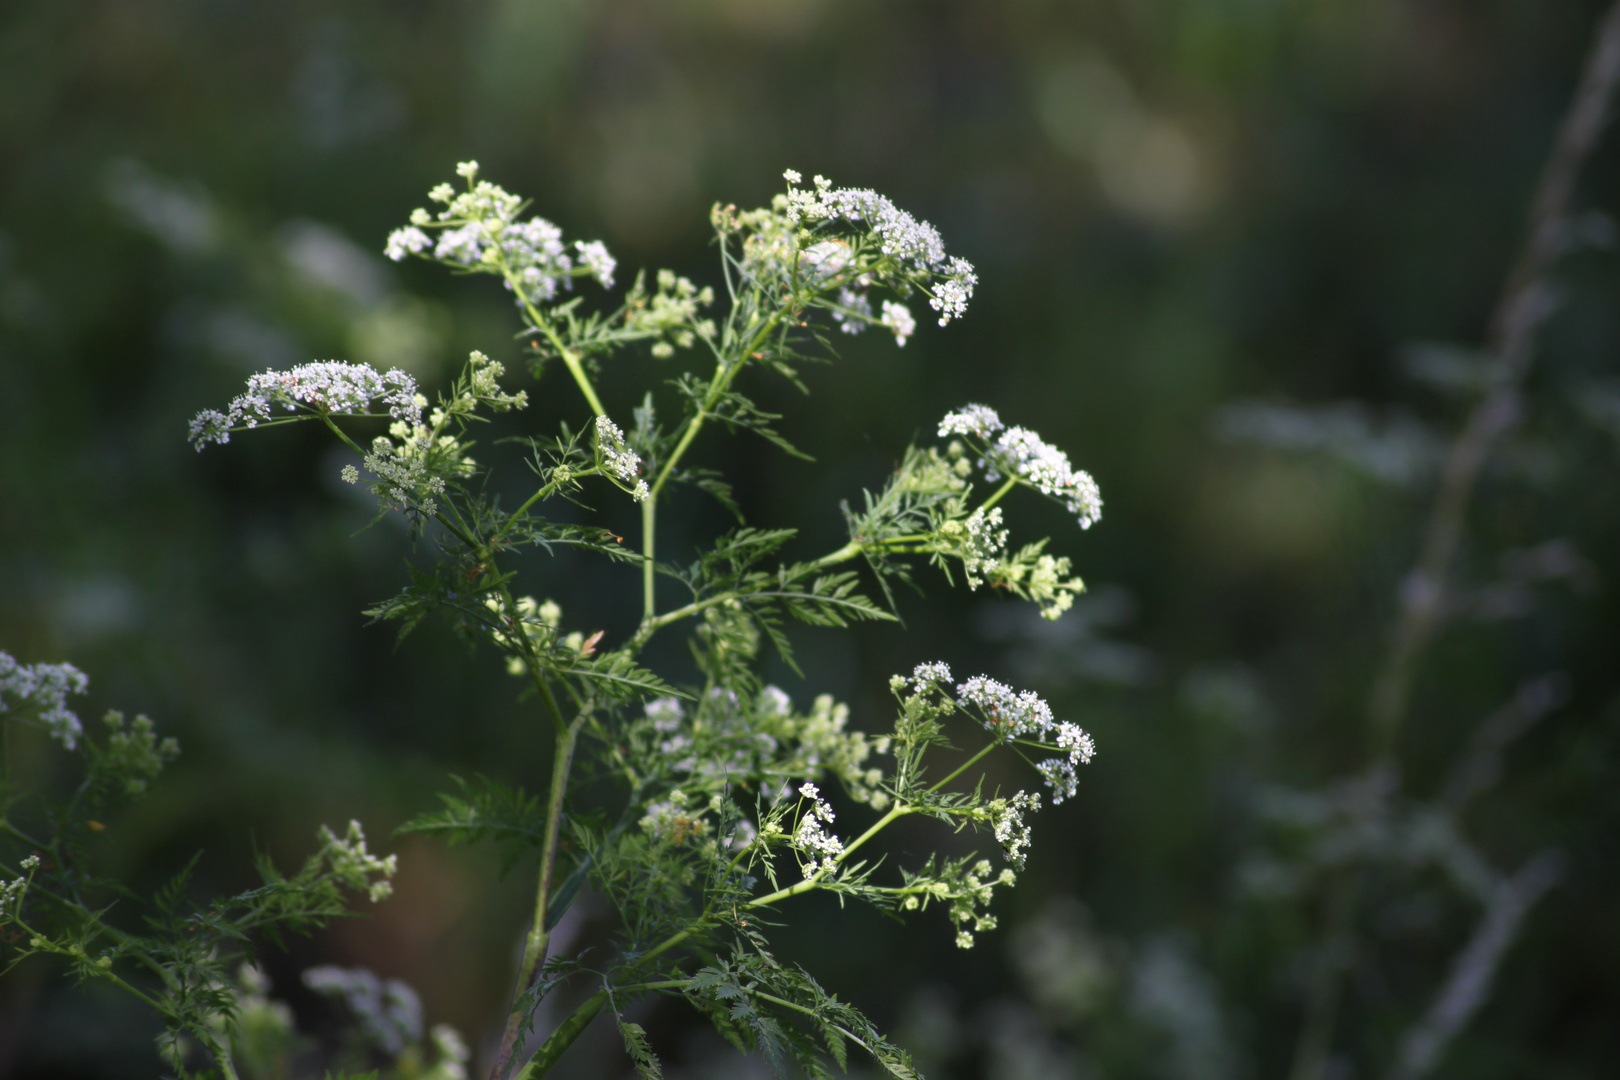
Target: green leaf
[
  {"x": 640, "y": 1051},
  {"x": 484, "y": 809}
]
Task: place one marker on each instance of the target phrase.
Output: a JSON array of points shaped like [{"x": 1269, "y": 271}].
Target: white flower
[
  {"x": 1011, "y": 831},
  {"x": 665, "y": 713},
  {"x": 980, "y": 421},
  {"x": 853, "y": 312},
  {"x": 1006, "y": 711},
  {"x": 1044, "y": 467},
  {"x": 824, "y": 259},
  {"x": 984, "y": 544},
  {"x": 44, "y": 687},
  {"x": 325, "y": 386},
  {"x": 914, "y": 245},
  {"x": 774, "y": 700},
  {"x": 618, "y": 461},
  {"x": 822, "y": 848},
  {"x": 350, "y": 474},
  {"x": 791, "y": 176},
  {"x": 897, "y": 318},
  {"x": 952, "y": 295},
  {"x": 593, "y": 256},
  {"x": 467, "y": 169},
  {"x": 407, "y": 241}
]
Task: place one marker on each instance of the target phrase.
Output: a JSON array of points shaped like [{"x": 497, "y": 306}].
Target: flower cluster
[
  {"x": 406, "y": 470},
  {"x": 980, "y": 421},
  {"x": 899, "y": 235},
  {"x": 972, "y": 895},
  {"x": 323, "y": 387},
  {"x": 389, "y": 1011},
  {"x": 674, "y": 821},
  {"x": 1023, "y": 715},
  {"x": 44, "y": 687},
  {"x": 983, "y": 543},
  {"x": 927, "y": 675},
  {"x": 1008, "y": 825},
  {"x": 915, "y": 247},
  {"x": 620, "y": 463},
  {"x": 1060, "y": 771},
  {"x": 1007, "y": 713},
  {"x": 821, "y": 739},
  {"x": 539, "y": 622},
  {"x": 1024, "y": 455},
  {"x": 136, "y": 755},
  {"x": 351, "y": 863},
  {"x": 730, "y": 737},
  {"x": 898, "y": 321},
  {"x": 481, "y": 230},
  {"x": 13, "y": 891},
  {"x": 967, "y": 889},
  {"x": 670, "y": 314},
  {"x": 482, "y": 386},
  {"x": 819, "y": 850},
  {"x": 853, "y": 311}
]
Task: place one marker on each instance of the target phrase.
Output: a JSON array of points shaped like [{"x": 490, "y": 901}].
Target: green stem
[
  {"x": 896, "y": 812},
  {"x": 534, "y": 948},
  {"x": 563, "y": 1037},
  {"x": 965, "y": 766},
  {"x": 786, "y": 1004},
  {"x": 649, "y": 535},
  {"x": 718, "y": 384},
  {"x": 1012, "y": 482},
  {"x": 530, "y": 501},
  {"x": 539, "y": 322}
]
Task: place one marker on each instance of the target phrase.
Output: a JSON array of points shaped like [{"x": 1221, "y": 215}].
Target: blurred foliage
[{"x": 1217, "y": 239}]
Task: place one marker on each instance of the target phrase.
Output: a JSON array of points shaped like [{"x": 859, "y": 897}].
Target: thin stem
[
  {"x": 534, "y": 949},
  {"x": 1012, "y": 482},
  {"x": 896, "y": 812},
  {"x": 539, "y": 322},
  {"x": 649, "y": 536},
  {"x": 964, "y": 767},
  {"x": 718, "y": 384},
  {"x": 850, "y": 1035},
  {"x": 530, "y": 501}
]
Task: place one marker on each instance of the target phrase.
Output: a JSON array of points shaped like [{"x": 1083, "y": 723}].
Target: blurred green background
[{"x": 1228, "y": 249}]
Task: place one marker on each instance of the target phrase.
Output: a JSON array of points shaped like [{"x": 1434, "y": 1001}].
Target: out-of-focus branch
[
  {"x": 1482, "y": 762},
  {"x": 1474, "y": 969},
  {"x": 1526, "y": 301}
]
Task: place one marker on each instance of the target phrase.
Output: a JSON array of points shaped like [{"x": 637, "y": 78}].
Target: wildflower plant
[
  {"x": 182, "y": 959},
  {"x": 721, "y": 815}
]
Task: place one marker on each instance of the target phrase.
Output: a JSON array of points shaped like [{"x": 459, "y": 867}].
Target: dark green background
[{"x": 1173, "y": 204}]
